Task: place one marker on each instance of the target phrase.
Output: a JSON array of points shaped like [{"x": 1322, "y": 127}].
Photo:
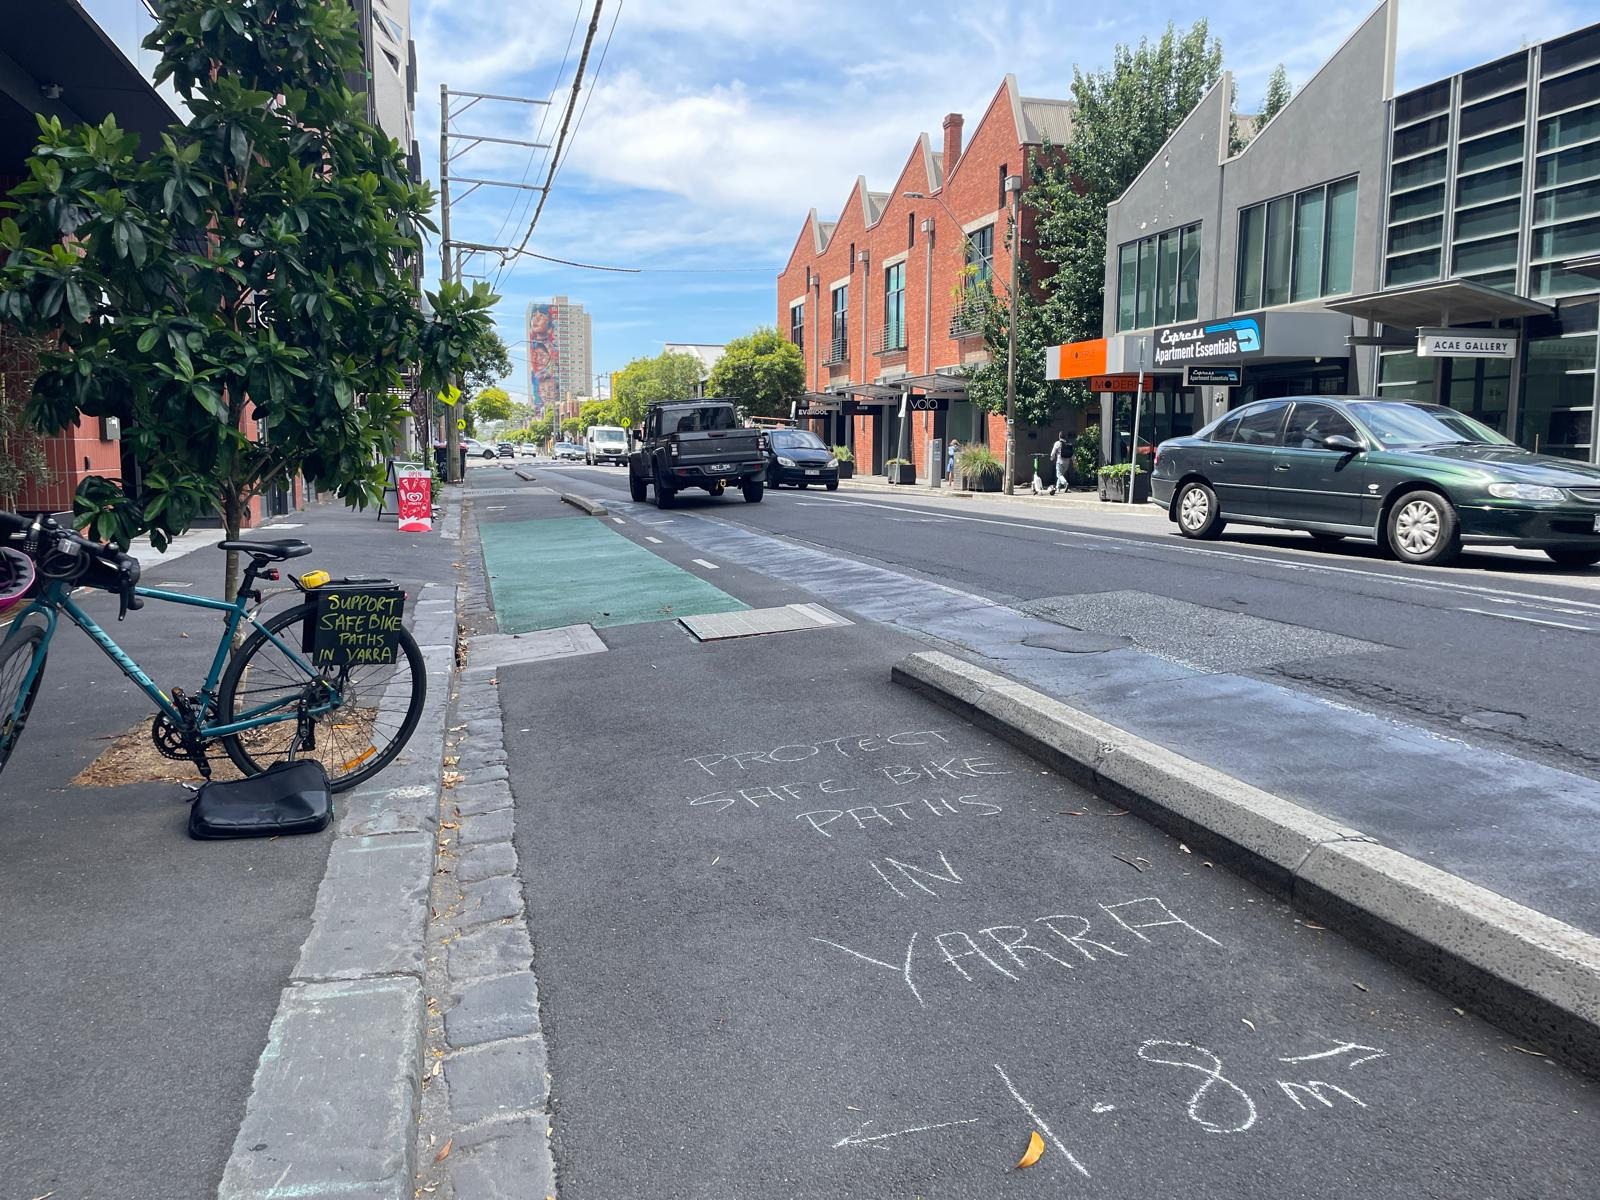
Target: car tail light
[
  {"x": 674, "y": 446},
  {"x": 1156, "y": 461}
]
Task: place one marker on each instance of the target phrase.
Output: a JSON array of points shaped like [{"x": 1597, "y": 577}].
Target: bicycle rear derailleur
[{"x": 181, "y": 741}]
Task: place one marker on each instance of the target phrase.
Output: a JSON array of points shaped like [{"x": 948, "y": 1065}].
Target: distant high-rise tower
[{"x": 560, "y": 351}]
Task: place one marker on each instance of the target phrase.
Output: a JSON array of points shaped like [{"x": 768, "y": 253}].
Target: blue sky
[{"x": 712, "y": 126}]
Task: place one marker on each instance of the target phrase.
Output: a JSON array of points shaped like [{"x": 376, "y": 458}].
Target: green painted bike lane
[{"x": 575, "y": 571}]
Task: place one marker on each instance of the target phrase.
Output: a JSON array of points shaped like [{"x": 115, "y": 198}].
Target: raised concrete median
[{"x": 1529, "y": 973}]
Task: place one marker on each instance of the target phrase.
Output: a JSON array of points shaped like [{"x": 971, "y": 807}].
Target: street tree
[
  {"x": 1124, "y": 115},
  {"x": 493, "y": 404},
  {"x": 1279, "y": 93},
  {"x": 572, "y": 427},
  {"x": 599, "y": 412},
  {"x": 763, "y": 371},
  {"x": 241, "y": 298},
  {"x": 668, "y": 376}
]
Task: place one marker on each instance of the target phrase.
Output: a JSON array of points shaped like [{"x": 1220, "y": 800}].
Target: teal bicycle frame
[{"x": 57, "y": 598}]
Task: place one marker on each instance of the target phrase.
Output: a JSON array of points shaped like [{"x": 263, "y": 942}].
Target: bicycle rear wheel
[
  {"x": 21, "y": 648},
  {"x": 378, "y": 710}
]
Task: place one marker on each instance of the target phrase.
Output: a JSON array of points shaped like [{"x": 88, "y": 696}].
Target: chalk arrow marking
[{"x": 855, "y": 1139}]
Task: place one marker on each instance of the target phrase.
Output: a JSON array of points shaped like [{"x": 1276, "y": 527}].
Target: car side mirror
[{"x": 1342, "y": 443}]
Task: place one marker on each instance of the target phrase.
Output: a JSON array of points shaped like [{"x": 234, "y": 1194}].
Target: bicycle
[{"x": 263, "y": 701}]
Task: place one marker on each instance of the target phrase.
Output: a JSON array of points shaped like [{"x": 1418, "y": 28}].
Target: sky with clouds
[{"x": 707, "y": 128}]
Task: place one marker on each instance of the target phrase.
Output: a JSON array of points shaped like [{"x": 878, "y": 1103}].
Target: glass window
[
  {"x": 1339, "y": 248},
  {"x": 795, "y": 439},
  {"x": 1581, "y": 200},
  {"x": 1490, "y": 151},
  {"x": 1309, "y": 227},
  {"x": 1570, "y": 127},
  {"x": 1431, "y": 99},
  {"x": 1552, "y": 280},
  {"x": 797, "y": 324},
  {"x": 841, "y": 323},
  {"x": 1167, "y": 279},
  {"x": 1225, "y": 429},
  {"x": 980, "y": 253},
  {"x": 1567, "y": 241},
  {"x": 1557, "y": 406},
  {"x": 1279, "y": 257},
  {"x": 1491, "y": 255},
  {"x": 1401, "y": 424},
  {"x": 1569, "y": 51},
  {"x": 1481, "y": 222},
  {"x": 1569, "y": 166},
  {"x": 700, "y": 420},
  {"x": 1425, "y": 135},
  {"x": 1147, "y": 283},
  {"x": 1189, "y": 275},
  {"x": 1127, "y": 285},
  {"x": 1412, "y": 268},
  {"x": 1569, "y": 91},
  {"x": 894, "y": 307},
  {"x": 1496, "y": 77},
  {"x": 1252, "y": 230},
  {"x": 1489, "y": 185},
  {"x": 1492, "y": 114},
  {"x": 1417, "y": 172},
  {"x": 1425, "y": 203},
  {"x": 1417, "y": 235},
  {"x": 1309, "y": 424},
  {"x": 1402, "y": 375},
  {"x": 1260, "y": 426}
]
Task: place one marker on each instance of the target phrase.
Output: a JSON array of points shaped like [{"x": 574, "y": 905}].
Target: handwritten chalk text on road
[{"x": 851, "y": 746}]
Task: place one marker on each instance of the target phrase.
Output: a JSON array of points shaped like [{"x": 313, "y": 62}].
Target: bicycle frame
[{"x": 57, "y": 598}]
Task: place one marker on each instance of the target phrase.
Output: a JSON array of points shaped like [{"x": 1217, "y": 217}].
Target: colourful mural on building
[{"x": 544, "y": 356}]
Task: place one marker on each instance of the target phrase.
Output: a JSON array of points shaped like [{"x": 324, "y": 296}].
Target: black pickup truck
[{"x": 695, "y": 444}]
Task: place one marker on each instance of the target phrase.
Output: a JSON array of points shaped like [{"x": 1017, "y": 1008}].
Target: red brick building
[{"x": 875, "y": 298}]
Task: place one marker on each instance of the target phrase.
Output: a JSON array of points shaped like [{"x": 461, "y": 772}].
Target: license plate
[
  {"x": 721, "y": 467},
  {"x": 819, "y": 473}
]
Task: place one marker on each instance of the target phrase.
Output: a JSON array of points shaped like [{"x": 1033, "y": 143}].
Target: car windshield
[
  {"x": 1396, "y": 423},
  {"x": 796, "y": 439},
  {"x": 699, "y": 420}
]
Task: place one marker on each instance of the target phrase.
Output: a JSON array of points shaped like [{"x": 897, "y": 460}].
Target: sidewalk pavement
[
  {"x": 1073, "y": 501},
  {"x": 142, "y": 968}
]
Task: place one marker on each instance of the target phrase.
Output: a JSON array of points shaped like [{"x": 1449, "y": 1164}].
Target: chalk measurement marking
[
  {"x": 1212, "y": 1070},
  {"x": 855, "y": 1139},
  {"x": 652, "y": 540},
  {"x": 1039, "y": 1121},
  {"x": 1338, "y": 1049},
  {"x": 710, "y": 566}
]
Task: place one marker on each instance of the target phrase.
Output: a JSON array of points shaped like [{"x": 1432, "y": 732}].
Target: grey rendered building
[{"x": 1332, "y": 252}]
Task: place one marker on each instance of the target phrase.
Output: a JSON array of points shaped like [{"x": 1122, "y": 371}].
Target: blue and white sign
[{"x": 1208, "y": 341}]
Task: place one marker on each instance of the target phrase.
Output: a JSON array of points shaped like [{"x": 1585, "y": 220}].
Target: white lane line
[
  {"x": 1505, "y": 616},
  {"x": 710, "y": 566},
  {"x": 619, "y": 520},
  {"x": 648, "y": 538}
]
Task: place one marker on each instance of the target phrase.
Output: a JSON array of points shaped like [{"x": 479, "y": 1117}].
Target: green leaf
[
  {"x": 241, "y": 147},
  {"x": 148, "y": 338},
  {"x": 77, "y": 302}
]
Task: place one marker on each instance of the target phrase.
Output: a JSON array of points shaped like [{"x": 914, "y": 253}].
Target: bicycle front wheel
[
  {"x": 378, "y": 709},
  {"x": 21, "y": 648}
]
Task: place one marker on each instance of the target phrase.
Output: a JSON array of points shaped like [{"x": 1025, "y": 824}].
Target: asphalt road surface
[{"x": 799, "y": 932}]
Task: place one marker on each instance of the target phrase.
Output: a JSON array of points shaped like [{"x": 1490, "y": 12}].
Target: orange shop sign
[{"x": 1076, "y": 360}]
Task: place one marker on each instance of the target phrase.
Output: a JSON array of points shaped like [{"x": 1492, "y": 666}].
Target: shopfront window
[
  {"x": 1297, "y": 247},
  {"x": 1558, "y": 386},
  {"x": 1402, "y": 375},
  {"x": 1158, "y": 279}
]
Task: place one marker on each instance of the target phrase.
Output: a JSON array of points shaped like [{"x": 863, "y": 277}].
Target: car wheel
[
  {"x": 1573, "y": 557},
  {"x": 664, "y": 497},
  {"x": 637, "y": 487},
  {"x": 488, "y": 453},
  {"x": 753, "y": 491},
  {"x": 804, "y": 485},
  {"x": 1423, "y": 529},
  {"x": 772, "y": 480},
  {"x": 1198, "y": 514},
  {"x": 833, "y": 485}
]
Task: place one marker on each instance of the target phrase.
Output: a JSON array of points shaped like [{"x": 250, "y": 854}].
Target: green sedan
[{"x": 1419, "y": 479}]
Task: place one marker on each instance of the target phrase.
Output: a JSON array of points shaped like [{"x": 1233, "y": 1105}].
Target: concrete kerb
[
  {"x": 1536, "y": 977},
  {"x": 336, "y": 1096},
  {"x": 593, "y": 507}
]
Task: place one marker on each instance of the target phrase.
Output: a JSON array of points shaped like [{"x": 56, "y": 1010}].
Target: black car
[
  {"x": 799, "y": 456},
  {"x": 1419, "y": 479},
  {"x": 506, "y": 450}
]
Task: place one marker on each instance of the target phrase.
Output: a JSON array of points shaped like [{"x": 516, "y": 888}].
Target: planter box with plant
[
  {"x": 978, "y": 469},
  {"x": 901, "y": 470},
  {"x": 1114, "y": 483},
  {"x": 847, "y": 462}
]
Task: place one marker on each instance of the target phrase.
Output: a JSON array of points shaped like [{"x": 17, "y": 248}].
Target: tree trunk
[{"x": 232, "y": 519}]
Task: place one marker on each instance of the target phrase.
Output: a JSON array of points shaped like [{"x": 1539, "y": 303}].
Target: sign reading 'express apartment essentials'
[{"x": 357, "y": 628}]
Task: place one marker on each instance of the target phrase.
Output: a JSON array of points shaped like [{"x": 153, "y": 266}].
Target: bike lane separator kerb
[
  {"x": 1529, "y": 973},
  {"x": 336, "y": 1096}
]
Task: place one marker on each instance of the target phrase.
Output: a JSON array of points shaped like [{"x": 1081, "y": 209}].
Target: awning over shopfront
[
  {"x": 1247, "y": 338},
  {"x": 1449, "y": 302}
]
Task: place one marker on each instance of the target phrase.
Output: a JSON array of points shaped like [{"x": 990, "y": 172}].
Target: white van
[{"x": 605, "y": 443}]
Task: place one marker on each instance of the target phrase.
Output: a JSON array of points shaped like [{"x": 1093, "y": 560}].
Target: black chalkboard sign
[{"x": 357, "y": 627}]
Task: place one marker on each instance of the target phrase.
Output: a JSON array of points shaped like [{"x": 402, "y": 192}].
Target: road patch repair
[
  {"x": 790, "y": 618},
  {"x": 561, "y": 571},
  {"x": 1531, "y": 974}
]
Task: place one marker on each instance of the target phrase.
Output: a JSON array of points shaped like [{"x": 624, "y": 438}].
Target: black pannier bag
[{"x": 288, "y": 797}]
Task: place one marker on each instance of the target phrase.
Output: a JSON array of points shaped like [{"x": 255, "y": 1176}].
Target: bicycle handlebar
[{"x": 47, "y": 536}]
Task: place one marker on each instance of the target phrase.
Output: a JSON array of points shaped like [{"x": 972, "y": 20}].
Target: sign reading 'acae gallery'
[{"x": 1465, "y": 343}]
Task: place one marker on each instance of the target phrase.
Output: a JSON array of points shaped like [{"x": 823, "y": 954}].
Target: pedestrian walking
[
  {"x": 950, "y": 459},
  {"x": 1058, "y": 456}
]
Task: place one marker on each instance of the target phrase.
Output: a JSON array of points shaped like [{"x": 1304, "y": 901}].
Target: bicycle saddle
[{"x": 274, "y": 551}]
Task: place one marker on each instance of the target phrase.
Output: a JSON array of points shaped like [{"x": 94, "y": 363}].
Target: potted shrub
[
  {"x": 847, "y": 462},
  {"x": 978, "y": 470},
  {"x": 1114, "y": 483},
  {"x": 1086, "y": 455},
  {"x": 901, "y": 470}
]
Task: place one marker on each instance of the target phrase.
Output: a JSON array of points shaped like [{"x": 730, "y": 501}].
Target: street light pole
[{"x": 1013, "y": 188}]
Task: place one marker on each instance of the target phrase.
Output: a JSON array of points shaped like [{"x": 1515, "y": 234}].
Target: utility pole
[
  {"x": 450, "y": 270},
  {"x": 1014, "y": 190}
]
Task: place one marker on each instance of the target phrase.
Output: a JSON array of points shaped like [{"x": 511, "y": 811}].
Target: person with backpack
[{"x": 1058, "y": 456}]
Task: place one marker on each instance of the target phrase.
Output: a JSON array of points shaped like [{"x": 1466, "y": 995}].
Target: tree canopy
[
  {"x": 763, "y": 371},
  {"x": 668, "y": 376},
  {"x": 1278, "y": 94},
  {"x": 241, "y": 297},
  {"x": 493, "y": 404}
]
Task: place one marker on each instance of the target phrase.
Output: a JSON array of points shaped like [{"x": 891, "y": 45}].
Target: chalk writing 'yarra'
[{"x": 851, "y": 746}]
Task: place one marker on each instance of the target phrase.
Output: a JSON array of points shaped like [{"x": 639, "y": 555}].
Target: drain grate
[{"x": 716, "y": 627}]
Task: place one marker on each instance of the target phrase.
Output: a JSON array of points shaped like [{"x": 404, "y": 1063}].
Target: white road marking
[
  {"x": 710, "y": 566},
  {"x": 619, "y": 520},
  {"x": 1505, "y": 616},
  {"x": 648, "y": 538}
]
